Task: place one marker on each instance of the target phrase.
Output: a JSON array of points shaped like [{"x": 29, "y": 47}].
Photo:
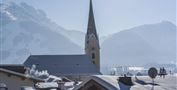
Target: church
[{"x": 73, "y": 66}]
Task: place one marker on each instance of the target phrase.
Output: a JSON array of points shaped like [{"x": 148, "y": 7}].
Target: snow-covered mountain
[
  {"x": 75, "y": 36},
  {"x": 153, "y": 43},
  {"x": 26, "y": 30}
]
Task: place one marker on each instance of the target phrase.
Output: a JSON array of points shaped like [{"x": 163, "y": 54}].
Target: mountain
[
  {"x": 151, "y": 43},
  {"x": 75, "y": 36},
  {"x": 26, "y": 30}
]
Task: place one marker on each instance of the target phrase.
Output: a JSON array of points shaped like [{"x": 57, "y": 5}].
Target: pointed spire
[{"x": 91, "y": 29}]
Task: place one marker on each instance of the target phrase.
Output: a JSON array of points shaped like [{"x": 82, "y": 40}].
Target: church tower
[{"x": 92, "y": 48}]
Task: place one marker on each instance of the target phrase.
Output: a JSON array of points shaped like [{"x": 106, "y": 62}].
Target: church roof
[{"x": 63, "y": 64}]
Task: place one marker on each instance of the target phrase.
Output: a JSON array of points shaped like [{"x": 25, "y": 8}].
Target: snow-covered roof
[
  {"x": 46, "y": 85},
  {"x": 63, "y": 64},
  {"x": 52, "y": 78},
  {"x": 110, "y": 83}
]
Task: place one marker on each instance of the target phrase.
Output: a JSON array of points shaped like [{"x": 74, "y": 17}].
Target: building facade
[{"x": 15, "y": 81}]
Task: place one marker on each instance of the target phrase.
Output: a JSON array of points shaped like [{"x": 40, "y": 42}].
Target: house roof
[
  {"x": 110, "y": 83},
  {"x": 63, "y": 64},
  {"x": 14, "y": 67},
  {"x": 2, "y": 70}
]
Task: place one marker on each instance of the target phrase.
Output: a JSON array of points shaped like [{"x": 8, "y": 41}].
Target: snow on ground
[{"x": 167, "y": 83}]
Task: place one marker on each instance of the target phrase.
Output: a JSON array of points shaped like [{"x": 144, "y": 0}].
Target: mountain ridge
[
  {"x": 31, "y": 32},
  {"x": 138, "y": 45},
  {"x": 25, "y": 30}
]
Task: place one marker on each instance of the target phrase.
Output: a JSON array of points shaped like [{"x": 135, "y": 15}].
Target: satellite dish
[{"x": 152, "y": 72}]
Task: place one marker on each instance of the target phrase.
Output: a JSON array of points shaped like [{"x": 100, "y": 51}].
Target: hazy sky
[{"x": 110, "y": 15}]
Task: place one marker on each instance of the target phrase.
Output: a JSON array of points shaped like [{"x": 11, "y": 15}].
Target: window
[
  {"x": 93, "y": 62},
  {"x": 93, "y": 48},
  {"x": 93, "y": 55}
]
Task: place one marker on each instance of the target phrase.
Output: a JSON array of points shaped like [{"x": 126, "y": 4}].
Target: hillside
[
  {"x": 27, "y": 31},
  {"x": 151, "y": 43}
]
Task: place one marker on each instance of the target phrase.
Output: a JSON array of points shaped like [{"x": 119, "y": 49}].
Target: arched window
[{"x": 93, "y": 55}]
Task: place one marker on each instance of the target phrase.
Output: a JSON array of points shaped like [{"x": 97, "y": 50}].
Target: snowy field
[{"x": 167, "y": 83}]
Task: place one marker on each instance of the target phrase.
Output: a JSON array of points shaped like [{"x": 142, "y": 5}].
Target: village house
[{"x": 14, "y": 81}]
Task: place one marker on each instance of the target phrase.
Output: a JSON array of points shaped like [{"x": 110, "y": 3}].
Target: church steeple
[
  {"x": 92, "y": 48},
  {"x": 91, "y": 28}
]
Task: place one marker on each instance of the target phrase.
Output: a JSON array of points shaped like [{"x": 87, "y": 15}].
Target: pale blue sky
[{"x": 111, "y": 15}]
